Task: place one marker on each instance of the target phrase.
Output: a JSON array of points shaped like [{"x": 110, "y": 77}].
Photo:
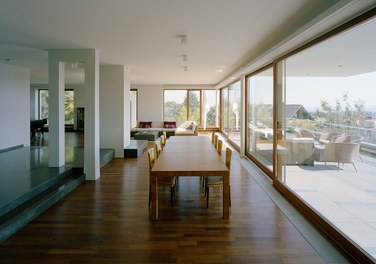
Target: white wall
[
  {"x": 14, "y": 106},
  {"x": 114, "y": 109},
  {"x": 150, "y": 102}
]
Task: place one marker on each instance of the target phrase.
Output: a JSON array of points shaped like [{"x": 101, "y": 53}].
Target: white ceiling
[{"x": 143, "y": 34}]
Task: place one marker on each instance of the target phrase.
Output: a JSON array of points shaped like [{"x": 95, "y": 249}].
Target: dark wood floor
[{"x": 107, "y": 221}]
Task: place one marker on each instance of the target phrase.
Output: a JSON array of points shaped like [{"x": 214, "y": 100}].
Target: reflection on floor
[{"x": 28, "y": 186}]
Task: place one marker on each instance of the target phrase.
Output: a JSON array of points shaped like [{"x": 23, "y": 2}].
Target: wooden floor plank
[{"x": 107, "y": 221}]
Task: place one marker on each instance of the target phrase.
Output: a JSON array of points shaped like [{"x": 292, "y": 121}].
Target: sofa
[
  {"x": 155, "y": 126},
  {"x": 188, "y": 128}
]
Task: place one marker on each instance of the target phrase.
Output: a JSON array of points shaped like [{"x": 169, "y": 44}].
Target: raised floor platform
[
  {"x": 28, "y": 186},
  {"x": 135, "y": 148}
]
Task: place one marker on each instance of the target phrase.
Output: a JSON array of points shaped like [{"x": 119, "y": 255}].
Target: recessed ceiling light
[
  {"x": 220, "y": 68},
  {"x": 184, "y": 57},
  {"x": 183, "y": 39},
  {"x": 185, "y": 68}
]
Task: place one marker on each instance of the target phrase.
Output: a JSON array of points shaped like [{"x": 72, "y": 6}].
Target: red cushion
[
  {"x": 169, "y": 124},
  {"x": 145, "y": 125}
]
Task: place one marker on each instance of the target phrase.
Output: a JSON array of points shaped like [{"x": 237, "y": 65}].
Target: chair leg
[
  {"x": 354, "y": 167},
  {"x": 149, "y": 196},
  {"x": 229, "y": 196},
  {"x": 207, "y": 197},
  {"x": 172, "y": 196}
]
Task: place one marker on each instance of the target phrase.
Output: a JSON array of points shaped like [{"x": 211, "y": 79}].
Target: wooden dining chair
[
  {"x": 219, "y": 146},
  {"x": 215, "y": 140},
  {"x": 162, "y": 181},
  {"x": 217, "y": 181},
  {"x": 165, "y": 136},
  {"x": 158, "y": 147},
  {"x": 163, "y": 141},
  {"x": 213, "y": 137}
]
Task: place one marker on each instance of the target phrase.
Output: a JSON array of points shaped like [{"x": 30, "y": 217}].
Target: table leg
[
  {"x": 226, "y": 196},
  {"x": 154, "y": 196}
]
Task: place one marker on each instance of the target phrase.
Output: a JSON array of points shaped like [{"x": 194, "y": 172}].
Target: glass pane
[
  {"x": 329, "y": 130},
  {"x": 43, "y": 104},
  {"x": 234, "y": 113},
  {"x": 224, "y": 105},
  {"x": 194, "y": 106},
  {"x": 209, "y": 108},
  {"x": 260, "y": 117},
  {"x": 175, "y": 105},
  {"x": 69, "y": 107}
]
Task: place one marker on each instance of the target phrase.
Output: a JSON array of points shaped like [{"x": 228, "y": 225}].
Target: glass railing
[{"x": 368, "y": 134}]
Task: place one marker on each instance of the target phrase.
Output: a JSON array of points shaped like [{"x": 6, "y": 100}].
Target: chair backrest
[
  {"x": 165, "y": 135},
  {"x": 215, "y": 140},
  {"x": 151, "y": 155},
  {"x": 329, "y": 137},
  {"x": 346, "y": 151},
  {"x": 163, "y": 141},
  {"x": 158, "y": 148},
  {"x": 228, "y": 157},
  {"x": 348, "y": 139},
  {"x": 306, "y": 133},
  {"x": 219, "y": 146}
]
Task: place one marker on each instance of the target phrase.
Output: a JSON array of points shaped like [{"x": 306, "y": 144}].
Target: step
[{"x": 14, "y": 220}]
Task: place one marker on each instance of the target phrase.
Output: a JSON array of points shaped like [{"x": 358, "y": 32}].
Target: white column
[
  {"x": 91, "y": 152},
  {"x": 56, "y": 73},
  {"x": 90, "y": 58},
  {"x": 127, "y": 108},
  {"x": 115, "y": 108}
]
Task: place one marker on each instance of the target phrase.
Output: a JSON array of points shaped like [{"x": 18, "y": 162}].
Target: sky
[{"x": 310, "y": 91}]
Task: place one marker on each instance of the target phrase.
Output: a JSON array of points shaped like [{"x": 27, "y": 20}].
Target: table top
[{"x": 187, "y": 155}]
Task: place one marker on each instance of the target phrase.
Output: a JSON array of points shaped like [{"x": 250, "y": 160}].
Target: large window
[
  {"x": 209, "y": 108},
  {"x": 259, "y": 131},
  {"x": 68, "y": 105},
  {"x": 175, "y": 105},
  {"x": 193, "y": 105},
  {"x": 328, "y": 124},
  {"x": 231, "y": 112},
  {"x": 234, "y": 105},
  {"x": 224, "y": 111}
]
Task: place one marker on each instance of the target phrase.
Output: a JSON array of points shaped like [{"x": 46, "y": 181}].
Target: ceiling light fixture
[
  {"x": 185, "y": 68},
  {"x": 220, "y": 68},
  {"x": 183, "y": 39},
  {"x": 184, "y": 57}
]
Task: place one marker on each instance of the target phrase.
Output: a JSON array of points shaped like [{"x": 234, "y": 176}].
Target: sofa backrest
[{"x": 157, "y": 124}]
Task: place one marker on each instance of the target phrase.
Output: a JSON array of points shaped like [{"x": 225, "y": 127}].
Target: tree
[
  {"x": 69, "y": 107},
  {"x": 343, "y": 112}
]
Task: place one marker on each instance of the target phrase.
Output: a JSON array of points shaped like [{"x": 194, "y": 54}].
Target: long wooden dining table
[{"x": 189, "y": 156}]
